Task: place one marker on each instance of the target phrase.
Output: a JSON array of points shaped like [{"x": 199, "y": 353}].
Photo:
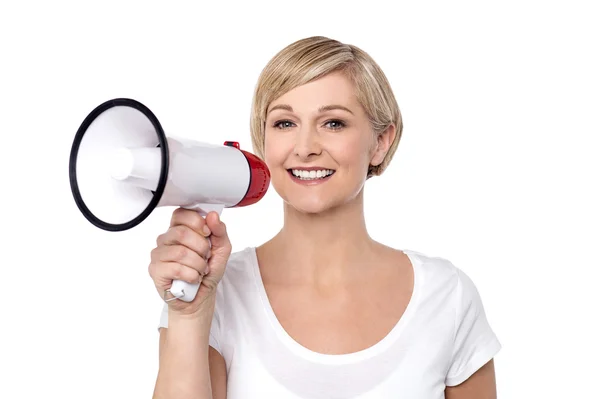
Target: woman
[{"x": 321, "y": 310}]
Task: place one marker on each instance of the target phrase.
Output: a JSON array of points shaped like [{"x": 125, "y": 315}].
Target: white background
[{"x": 497, "y": 170}]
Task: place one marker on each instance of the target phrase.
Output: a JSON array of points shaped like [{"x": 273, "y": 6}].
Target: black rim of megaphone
[{"x": 164, "y": 170}]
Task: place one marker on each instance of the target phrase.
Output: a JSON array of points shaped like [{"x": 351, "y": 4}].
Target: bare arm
[
  {"x": 481, "y": 385},
  {"x": 218, "y": 374},
  {"x": 188, "y": 367}
]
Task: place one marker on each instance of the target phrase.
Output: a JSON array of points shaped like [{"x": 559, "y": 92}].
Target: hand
[{"x": 183, "y": 252}]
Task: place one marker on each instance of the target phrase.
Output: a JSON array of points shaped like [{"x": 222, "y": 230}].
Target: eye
[
  {"x": 284, "y": 124},
  {"x": 335, "y": 124}
]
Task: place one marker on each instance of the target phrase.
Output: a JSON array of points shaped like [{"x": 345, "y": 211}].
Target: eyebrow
[{"x": 324, "y": 108}]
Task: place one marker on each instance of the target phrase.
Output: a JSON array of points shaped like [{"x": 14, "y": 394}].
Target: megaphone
[{"x": 122, "y": 166}]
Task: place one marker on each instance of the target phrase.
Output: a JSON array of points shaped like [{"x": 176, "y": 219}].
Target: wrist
[{"x": 203, "y": 311}]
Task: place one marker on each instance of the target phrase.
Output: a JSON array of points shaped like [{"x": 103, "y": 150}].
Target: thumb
[{"x": 219, "y": 239}]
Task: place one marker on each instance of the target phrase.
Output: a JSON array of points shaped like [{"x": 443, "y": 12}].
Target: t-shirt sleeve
[
  {"x": 215, "y": 328},
  {"x": 475, "y": 343}
]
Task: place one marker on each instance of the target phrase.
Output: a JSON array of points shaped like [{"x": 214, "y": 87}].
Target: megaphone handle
[{"x": 182, "y": 289}]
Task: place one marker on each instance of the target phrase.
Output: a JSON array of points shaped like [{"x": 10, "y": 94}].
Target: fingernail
[
  {"x": 206, "y": 270},
  {"x": 206, "y": 230}
]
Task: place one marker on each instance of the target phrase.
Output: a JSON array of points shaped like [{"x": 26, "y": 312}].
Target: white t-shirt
[{"x": 442, "y": 338}]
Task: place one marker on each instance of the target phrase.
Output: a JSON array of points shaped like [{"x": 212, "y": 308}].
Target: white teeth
[{"x": 311, "y": 175}]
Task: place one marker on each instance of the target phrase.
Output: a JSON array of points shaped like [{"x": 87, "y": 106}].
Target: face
[{"x": 319, "y": 144}]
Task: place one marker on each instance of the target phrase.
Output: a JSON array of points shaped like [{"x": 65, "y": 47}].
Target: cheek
[
  {"x": 353, "y": 152},
  {"x": 275, "y": 151}
]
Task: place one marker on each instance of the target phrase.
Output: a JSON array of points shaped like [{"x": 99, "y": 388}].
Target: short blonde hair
[{"x": 311, "y": 58}]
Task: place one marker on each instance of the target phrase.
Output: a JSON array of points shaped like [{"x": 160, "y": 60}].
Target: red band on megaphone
[{"x": 260, "y": 178}]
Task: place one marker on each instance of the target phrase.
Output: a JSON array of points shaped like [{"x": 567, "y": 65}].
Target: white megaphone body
[{"x": 122, "y": 166}]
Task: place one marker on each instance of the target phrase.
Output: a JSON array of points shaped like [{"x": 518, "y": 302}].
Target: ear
[{"x": 384, "y": 141}]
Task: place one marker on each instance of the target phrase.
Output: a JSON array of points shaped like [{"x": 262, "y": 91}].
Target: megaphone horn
[{"x": 122, "y": 166}]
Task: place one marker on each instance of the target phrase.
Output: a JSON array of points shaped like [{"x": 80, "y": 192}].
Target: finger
[
  {"x": 191, "y": 219},
  {"x": 164, "y": 273},
  {"x": 183, "y": 235},
  {"x": 180, "y": 254}
]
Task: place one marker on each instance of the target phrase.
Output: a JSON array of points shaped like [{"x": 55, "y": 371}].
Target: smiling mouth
[{"x": 317, "y": 174}]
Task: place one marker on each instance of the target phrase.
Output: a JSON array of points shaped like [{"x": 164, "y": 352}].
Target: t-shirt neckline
[{"x": 379, "y": 347}]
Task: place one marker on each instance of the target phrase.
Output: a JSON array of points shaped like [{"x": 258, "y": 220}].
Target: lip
[
  {"x": 309, "y": 182},
  {"x": 310, "y": 168}
]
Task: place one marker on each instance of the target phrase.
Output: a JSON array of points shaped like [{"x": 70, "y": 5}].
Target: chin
[
  {"x": 309, "y": 206},
  {"x": 318, "y": 203},
  {"x": 309, "y": 203},
  {"x": 319, "y": 198}
]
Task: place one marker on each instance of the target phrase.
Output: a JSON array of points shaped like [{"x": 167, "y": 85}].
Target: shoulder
[
  {"x": 235, "y": 285},
  {"x": 239, "y": 273},
  {"x": 440, "y": 276},
  {"x": 240, "y": 263},
  {"x": 450, "y": 294},
  {"x": 433, "y": 269},
  {"x": 240, "y": 258}
]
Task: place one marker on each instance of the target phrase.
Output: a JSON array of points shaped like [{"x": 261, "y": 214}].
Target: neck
[{"x": 324, "y": 248}]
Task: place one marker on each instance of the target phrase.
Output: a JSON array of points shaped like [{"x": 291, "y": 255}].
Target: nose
[{"x": 307, "y": 143}]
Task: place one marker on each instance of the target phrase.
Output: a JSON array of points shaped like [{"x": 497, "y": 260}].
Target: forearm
[{"x": 183, "y": 366}]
